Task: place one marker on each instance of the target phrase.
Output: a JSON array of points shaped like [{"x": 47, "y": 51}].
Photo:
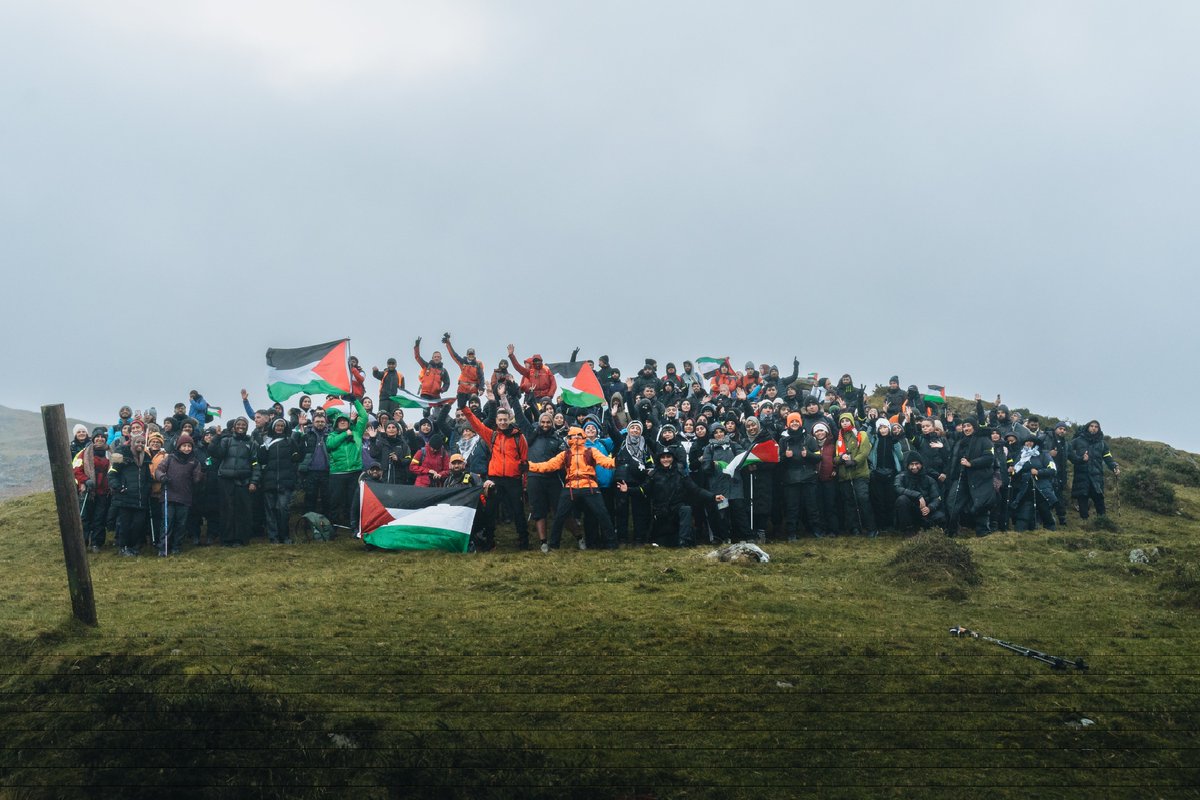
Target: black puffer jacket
[
  {"x": 237, "y": 457},
  {"x": 799, "y": 468},
  {"x": 128, "y": 480},
  {"x": 279, "y": 460},
  {"x": 668, "y": 489},
  {"x": 1089, "y": 472}
]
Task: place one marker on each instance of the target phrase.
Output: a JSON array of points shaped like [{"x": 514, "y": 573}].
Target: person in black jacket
[
  {"x": 390, "y": 450},
  {"x": 1032, "y": 488},
  {"x": 670, "y": 492},
  {"x": 634, "y": 462},
  {"x": 1089, "y": 454},
  {"x": 279, "y": 457},
  {"x": 758, "y": 480},
  {"x": 1056, "y": 445},
  {"x": 542, "y": 489},
  {"x": 238, "y": 477},
  {"x": 918, "y": 500},
  {"x": 390, "y": 380},
  {"x": 970, "y": 493},
  {"x": 799, "y": 456},
  {"x": 129, "y": 481},
  {"x": 206, "y": 497}
]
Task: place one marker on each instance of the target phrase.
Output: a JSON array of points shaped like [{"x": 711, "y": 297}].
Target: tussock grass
[
  {"x": 636, "y": 673},
  {"x": 932, "y": 559}
]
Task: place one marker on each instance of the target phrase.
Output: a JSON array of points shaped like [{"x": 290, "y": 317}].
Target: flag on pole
[
  {"x": 316, "y": 369},
  {"x": 709, "y": 365},
  {"x": 936, "y": 394},
  {"x": 762, "y": 452},
  {"x": 812, "y": 378},
  {"x": 406, "y": 399},
  {"x": 338, "y": 405},
  {"x": 580, "y": 386},
  {"x": 399, "y": 517},
  {"x": 214, "y": 412}
]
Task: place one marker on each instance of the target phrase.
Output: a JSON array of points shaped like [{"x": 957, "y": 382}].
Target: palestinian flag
[
  {"x": 936, "y": 394},
  {"x": 337, "y": 404},
  {"x": 762, "y": 452},
  {"x": 709, "y": 365},
  {"x": 214, "y": 412},
  {"x": 579, "y": 384},
  {"x": 317, "y": 369},
  {"x": 398, "y": 517},
  {"x": 812, "y": 378},
  {"x": 406, "y": 399}
]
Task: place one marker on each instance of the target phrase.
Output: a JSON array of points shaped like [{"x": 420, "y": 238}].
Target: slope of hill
[
  {"x": 23, "y": 467},
  {"x": 320, "y": 670}
]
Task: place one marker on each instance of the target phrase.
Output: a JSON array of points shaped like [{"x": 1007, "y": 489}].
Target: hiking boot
[
  {"x": 94, "y": 548},
  {"x": 582, "y": 544},
  {"x": 545, "y": 547}
]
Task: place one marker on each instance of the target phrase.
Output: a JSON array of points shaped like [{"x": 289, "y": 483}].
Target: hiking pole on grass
[{"x": 1057, "y": 662}]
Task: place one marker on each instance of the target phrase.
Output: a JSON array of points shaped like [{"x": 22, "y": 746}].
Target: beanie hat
[
  {"x": 635, "y": 424},
  {"x": 794, "y": 417},
  {"x": 78, "y": 429},
  {"x": 99, "y": 430},
  {"x": 184, "y": 439},
  {"x": 882, "y": 423},
  {"x": 894, "y": 379},
  {"x": 436, "y": 441},
  {"x": 820, "y": 426},
  {"x": 154, "y": 437}
]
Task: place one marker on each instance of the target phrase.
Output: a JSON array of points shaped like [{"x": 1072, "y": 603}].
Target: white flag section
[{"x": 395, "y": 517}]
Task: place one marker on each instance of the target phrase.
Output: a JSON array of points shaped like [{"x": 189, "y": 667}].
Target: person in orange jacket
[
  {"x": 470, "y": 379},
  {"x": 433, "y": 378},
  {"x": 506, "y": 468},
  {"x": 582, "y": 488},
  {"x": 537, "y": 381}
]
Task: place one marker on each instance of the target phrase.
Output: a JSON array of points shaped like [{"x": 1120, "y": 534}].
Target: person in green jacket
[
  {"x": 852, "y": 452},
  {"x": 344, "y": 446}
]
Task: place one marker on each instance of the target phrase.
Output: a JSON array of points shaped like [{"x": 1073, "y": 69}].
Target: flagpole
[{"x": 752, "y": 502}]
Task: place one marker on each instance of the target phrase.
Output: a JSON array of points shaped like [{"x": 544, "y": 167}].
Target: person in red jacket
[
  {"x": 358, "y": 379},
  {"x": 433, "y": 378},
  {"x": 506, "y": 467},
  {"x": 91, "y": 478},
  {"x": 537, "y": 381},
  {"x": 470, "y": 380},
  {"x": 431, "y": 464}
]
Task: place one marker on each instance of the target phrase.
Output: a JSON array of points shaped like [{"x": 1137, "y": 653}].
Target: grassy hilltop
[{"x": 322, "y": 670}]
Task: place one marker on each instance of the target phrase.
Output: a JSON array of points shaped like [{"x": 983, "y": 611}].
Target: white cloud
[{"x": 292, "y": 45}]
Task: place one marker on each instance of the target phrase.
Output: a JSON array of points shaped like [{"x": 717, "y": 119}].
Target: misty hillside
[{"x": 23, "y": 467}]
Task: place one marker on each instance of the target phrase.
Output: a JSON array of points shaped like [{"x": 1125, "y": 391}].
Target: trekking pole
[
  {"x": 83, "y": 506},
  {"x": 1117, "y": 493},
  {"x": 166, "y": 544},
  {"x": 1057, "y": 662}
]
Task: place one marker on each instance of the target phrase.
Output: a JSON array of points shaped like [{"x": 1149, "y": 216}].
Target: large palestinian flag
[
  {"x": 406, "y": 399},
  {"x": 709, "y": 365},
  {"x": 579, "y": 384},
  {"x": 763, "y": 451},
  {"x": 398, "y": 517},
  {"x": 317, "y": 369},
  {"x": 935, "y": 394}
]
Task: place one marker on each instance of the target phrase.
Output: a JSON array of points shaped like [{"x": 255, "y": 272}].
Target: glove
[
  {"x": 417, "y": 343},
  {"x": 89, "y": 484}
]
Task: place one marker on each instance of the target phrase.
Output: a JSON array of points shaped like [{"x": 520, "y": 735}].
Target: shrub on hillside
[
  {"x": 1149, "y": 489},
  {"x": 1175, "y": 466},
  {"x": 938, "y": 561}
]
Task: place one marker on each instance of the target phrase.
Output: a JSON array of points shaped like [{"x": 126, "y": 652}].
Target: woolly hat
[
  {"x": 882, "y": 422},
  {"x": 821, "y": 426},
  {"x": 100, "y": 430},
  {"x": 845, "y": 415},
  {"x": 436, "y": 441},
  {"x": 912, "y": 456},
  {"x": 894, "y": 379},
  {"x": 184, "y": 439},
  {"x": 633, "y": 424},
  {"x": 154, "y": 437},
  {"x": 78, "y": 429},
  {"x": 794, "y": 417},
  {"x": 668, "y": 427}
]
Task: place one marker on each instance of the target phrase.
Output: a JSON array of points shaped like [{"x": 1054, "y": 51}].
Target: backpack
[{"x": 313, "y": 527}]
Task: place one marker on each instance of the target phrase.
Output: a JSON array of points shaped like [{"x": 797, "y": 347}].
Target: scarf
[
  {"x": 636, "y": 447},
  {"x": 1027, "y": 455},
  {"x": 465, "y": 448}
]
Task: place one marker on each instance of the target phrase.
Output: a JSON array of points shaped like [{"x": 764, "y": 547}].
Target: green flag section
[
  {"x": 763, "y": 451},
  {"x": 709, "y": 365},
  {"x": 398, "y": 517},
  {"x": 406, "y": 399},
  {"x": 214, "y": 412},
  {"x": 579, "y": 384},
  {"x": 316, "y": 369},
  {"x": 936, "y": 394}
]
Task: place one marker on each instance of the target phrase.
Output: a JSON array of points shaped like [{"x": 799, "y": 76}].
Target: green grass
[{"x": 324, "y": 670}]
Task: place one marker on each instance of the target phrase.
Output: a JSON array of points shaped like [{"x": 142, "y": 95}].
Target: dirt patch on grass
[{"x": 943, "y": 565}]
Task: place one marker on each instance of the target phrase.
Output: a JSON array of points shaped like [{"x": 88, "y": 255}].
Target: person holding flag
[{"x": 758, "y": 474}]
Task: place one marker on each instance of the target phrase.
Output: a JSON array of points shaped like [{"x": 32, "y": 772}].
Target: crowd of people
[{"x": 676, "y": 458}]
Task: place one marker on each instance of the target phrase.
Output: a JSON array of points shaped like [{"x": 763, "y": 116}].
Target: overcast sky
[{"x": 994, "y": 197}]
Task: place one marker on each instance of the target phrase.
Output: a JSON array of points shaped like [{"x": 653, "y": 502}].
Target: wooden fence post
[{"x": 66, "y": 498}]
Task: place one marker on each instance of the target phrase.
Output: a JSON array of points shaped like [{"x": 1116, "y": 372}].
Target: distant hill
[{"x": 23, "y": 465}]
